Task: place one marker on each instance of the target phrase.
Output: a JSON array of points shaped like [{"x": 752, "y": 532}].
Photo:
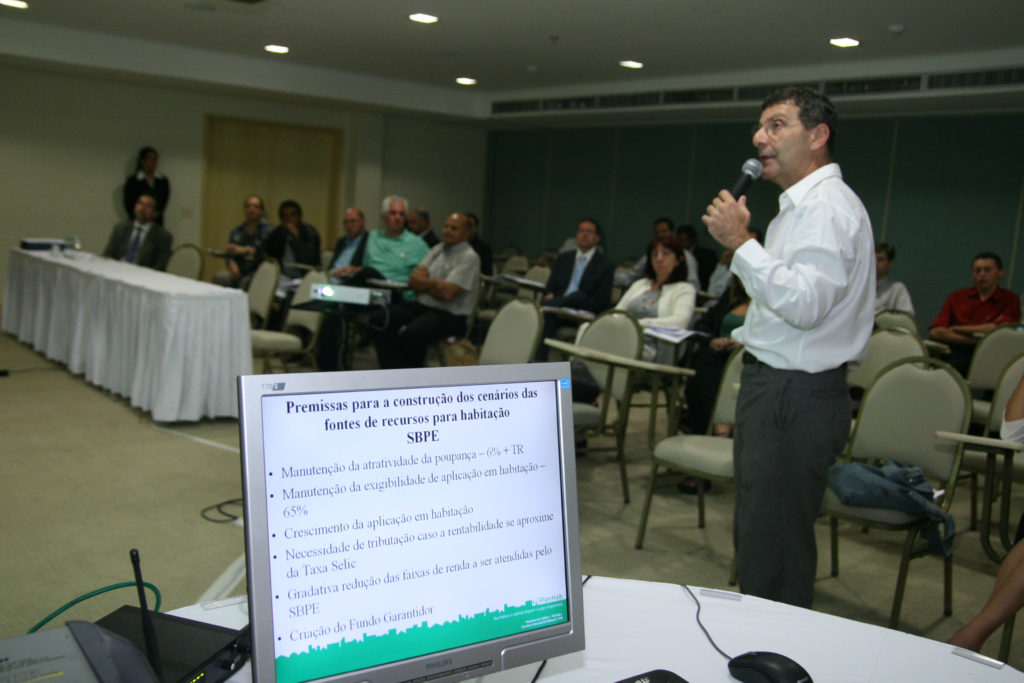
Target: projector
[{"x": 343, "y": 294}]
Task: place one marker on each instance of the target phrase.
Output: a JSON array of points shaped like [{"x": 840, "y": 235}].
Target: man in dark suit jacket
[
  {"x": 143, "y": 241},
  {"x": 589, "y": 290}
]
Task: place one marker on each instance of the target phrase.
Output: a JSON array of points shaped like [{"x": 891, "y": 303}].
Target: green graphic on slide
[{"x": 371, "y": 650}]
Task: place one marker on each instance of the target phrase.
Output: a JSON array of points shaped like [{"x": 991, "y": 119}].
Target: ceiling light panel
[
  {"x": 422, "y": 18},
  {"x": 844, "y": 42}
]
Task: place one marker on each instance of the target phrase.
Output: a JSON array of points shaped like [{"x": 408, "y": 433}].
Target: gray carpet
[{"x": 85, "y": 477}]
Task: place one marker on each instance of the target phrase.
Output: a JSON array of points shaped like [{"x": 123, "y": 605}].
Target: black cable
[
  {"x": 706, "y": 634},
  {"x": 219, "y": 507},
  {"x": 4, "y": 372},
  {"x": 545, "y": 662}
]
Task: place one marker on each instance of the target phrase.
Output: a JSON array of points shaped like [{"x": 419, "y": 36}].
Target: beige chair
[
  {"x": 902, "y": 410},
  {"x": 617, "y": 333},
  {"x": 538, "y": 274},
  {"x": 187, "y": 261},
  {"x": 976, "y": 461},
  {"x": 261, "y": 292},
  {"x": 885, "y": 346},
  {"x": 301, "y": 329},
  {"x": 514, "y": 334},
  {"x": 994, "y": 352},
  {"x": 892, "y": 318},
  {"x": 703, "y": 456}
]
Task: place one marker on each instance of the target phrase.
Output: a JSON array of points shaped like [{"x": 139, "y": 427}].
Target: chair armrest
[
  {"x": 983, "y": 442},
  {"x": 616, "y": 360}
]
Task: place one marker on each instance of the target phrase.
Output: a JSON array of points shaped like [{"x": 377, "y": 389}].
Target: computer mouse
[{"x": 767, "y": 667}]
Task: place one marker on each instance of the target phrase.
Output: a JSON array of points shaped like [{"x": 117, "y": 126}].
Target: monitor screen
[{"x": 406, "y": 524}]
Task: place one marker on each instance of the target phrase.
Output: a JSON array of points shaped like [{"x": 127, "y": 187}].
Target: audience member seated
[
  {"x": 579, "y": 279},
  {"x": 712, "y": 351},
  {"x": 662, "y": 297},
  {"x": 388, "y": 254},
  {"x": 293, "y": 241},
  {"x": 391, "y": 253},
  {"x": 625, "y": 278},
  {"x": 245, "y": 246},
  {"x": 721, "y": 276},
  {"x": 969, "y": 313},
  {"x": 445, "y": 283},
  {"x": 1007, "y": 595},
  {"x": 889, "y": 295},
  {"x": 147, "y": 180},
  {"x": 418, "y": 223},
  {"x": 350, "y": 247},
  {"x": 143, "y": 241},
  {"x": 703, "y": 258},
  {"x": 482, "y": 249}
]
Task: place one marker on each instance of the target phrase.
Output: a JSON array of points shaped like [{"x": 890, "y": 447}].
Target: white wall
[{"x": 67, "y": 141}]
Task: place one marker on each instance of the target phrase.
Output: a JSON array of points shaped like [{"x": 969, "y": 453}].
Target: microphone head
[{"x": 753, "y": 168}]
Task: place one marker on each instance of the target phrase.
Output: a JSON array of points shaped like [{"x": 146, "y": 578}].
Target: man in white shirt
[
  {"x": 889, "y": 295},
  {"x": 812, "y": 290}
]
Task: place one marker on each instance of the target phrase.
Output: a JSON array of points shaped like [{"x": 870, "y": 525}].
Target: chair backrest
[
  {"x": 614, "y": 331},
  {"x": 1008, "y": 381},
  {"x": 885, "y": 346},
  {"x": 901, "y": 411},
  {"x": 992, "y": 354},
  {"x": 538, "y": 274},
  {"x": 514, "y": 334},
  {"x": 891, "y": 318},
  {"x": 261, "y": 291},
  {"x": 724, "y": 412},
  {"x": 308, "y": 320},
  {"x": 516, "y": 265},
  {"x": 187, "y": 261}
]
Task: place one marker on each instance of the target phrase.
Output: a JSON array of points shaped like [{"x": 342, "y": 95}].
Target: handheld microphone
[{"x": 751, "y": 172}]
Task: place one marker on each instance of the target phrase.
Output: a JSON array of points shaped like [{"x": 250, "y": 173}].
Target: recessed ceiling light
[
  {"x": 423, "y": 18},
  {"x": 630, "y": 64},
  {"x": 844, "y": 42},
  {"x": 276, "y": 49},
  {"x": 16, "y": 4},
  {"x": 465, "y": 80}
]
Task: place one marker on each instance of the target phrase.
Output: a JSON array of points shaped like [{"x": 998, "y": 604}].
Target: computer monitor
[{"x": 410, "y": 524}]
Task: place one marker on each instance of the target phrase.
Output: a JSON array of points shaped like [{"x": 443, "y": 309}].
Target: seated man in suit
[
  {"x": 971, "y": 312},
  {"x": 143, "y": 241},
  {"x": 581, "y": 279},
  {"x": 446, "y": 283}
]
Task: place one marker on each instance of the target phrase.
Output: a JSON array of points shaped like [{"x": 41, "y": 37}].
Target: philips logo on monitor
[
  {"x": 276, "y": 386},
  {"x": 566, "y": 383}
]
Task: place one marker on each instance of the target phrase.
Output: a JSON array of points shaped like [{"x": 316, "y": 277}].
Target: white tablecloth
[
  {"x": 636, "y": 626},
  {"x": 171, "y": 345}
]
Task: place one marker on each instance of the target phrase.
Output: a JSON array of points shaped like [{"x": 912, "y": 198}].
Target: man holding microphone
[{"x": 812, "y": 290}]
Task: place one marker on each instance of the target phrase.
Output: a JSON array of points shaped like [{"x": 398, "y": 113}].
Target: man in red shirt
[{"x": 969, "y": 313}]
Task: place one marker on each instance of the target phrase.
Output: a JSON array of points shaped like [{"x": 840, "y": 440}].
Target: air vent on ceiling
[
  {"x": 695, "y": 96},
  {"x": 515, "y": 106},
  {"x": 976, "y": 79},
  {"x": 872, "y": 86},
  {"x": 757, "y": 93},
  {"x": 646, "y": 99},
  {"x": 569, "y": 104}
]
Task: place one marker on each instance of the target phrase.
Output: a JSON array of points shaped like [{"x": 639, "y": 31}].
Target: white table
[
  {"x": 636, "y": 626},
  {"x": 171, "y": 345}
]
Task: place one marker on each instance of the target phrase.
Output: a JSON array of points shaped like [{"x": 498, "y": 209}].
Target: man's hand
[
  {"x": 418, "y": 279},
  {"x": 722, "y": 343},
  {"x": 728, "y": 220},
  {"x": 345, "y": 271}
]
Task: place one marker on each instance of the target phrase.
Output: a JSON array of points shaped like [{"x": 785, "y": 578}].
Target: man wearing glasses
[{"x": 812, "y": 290}]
